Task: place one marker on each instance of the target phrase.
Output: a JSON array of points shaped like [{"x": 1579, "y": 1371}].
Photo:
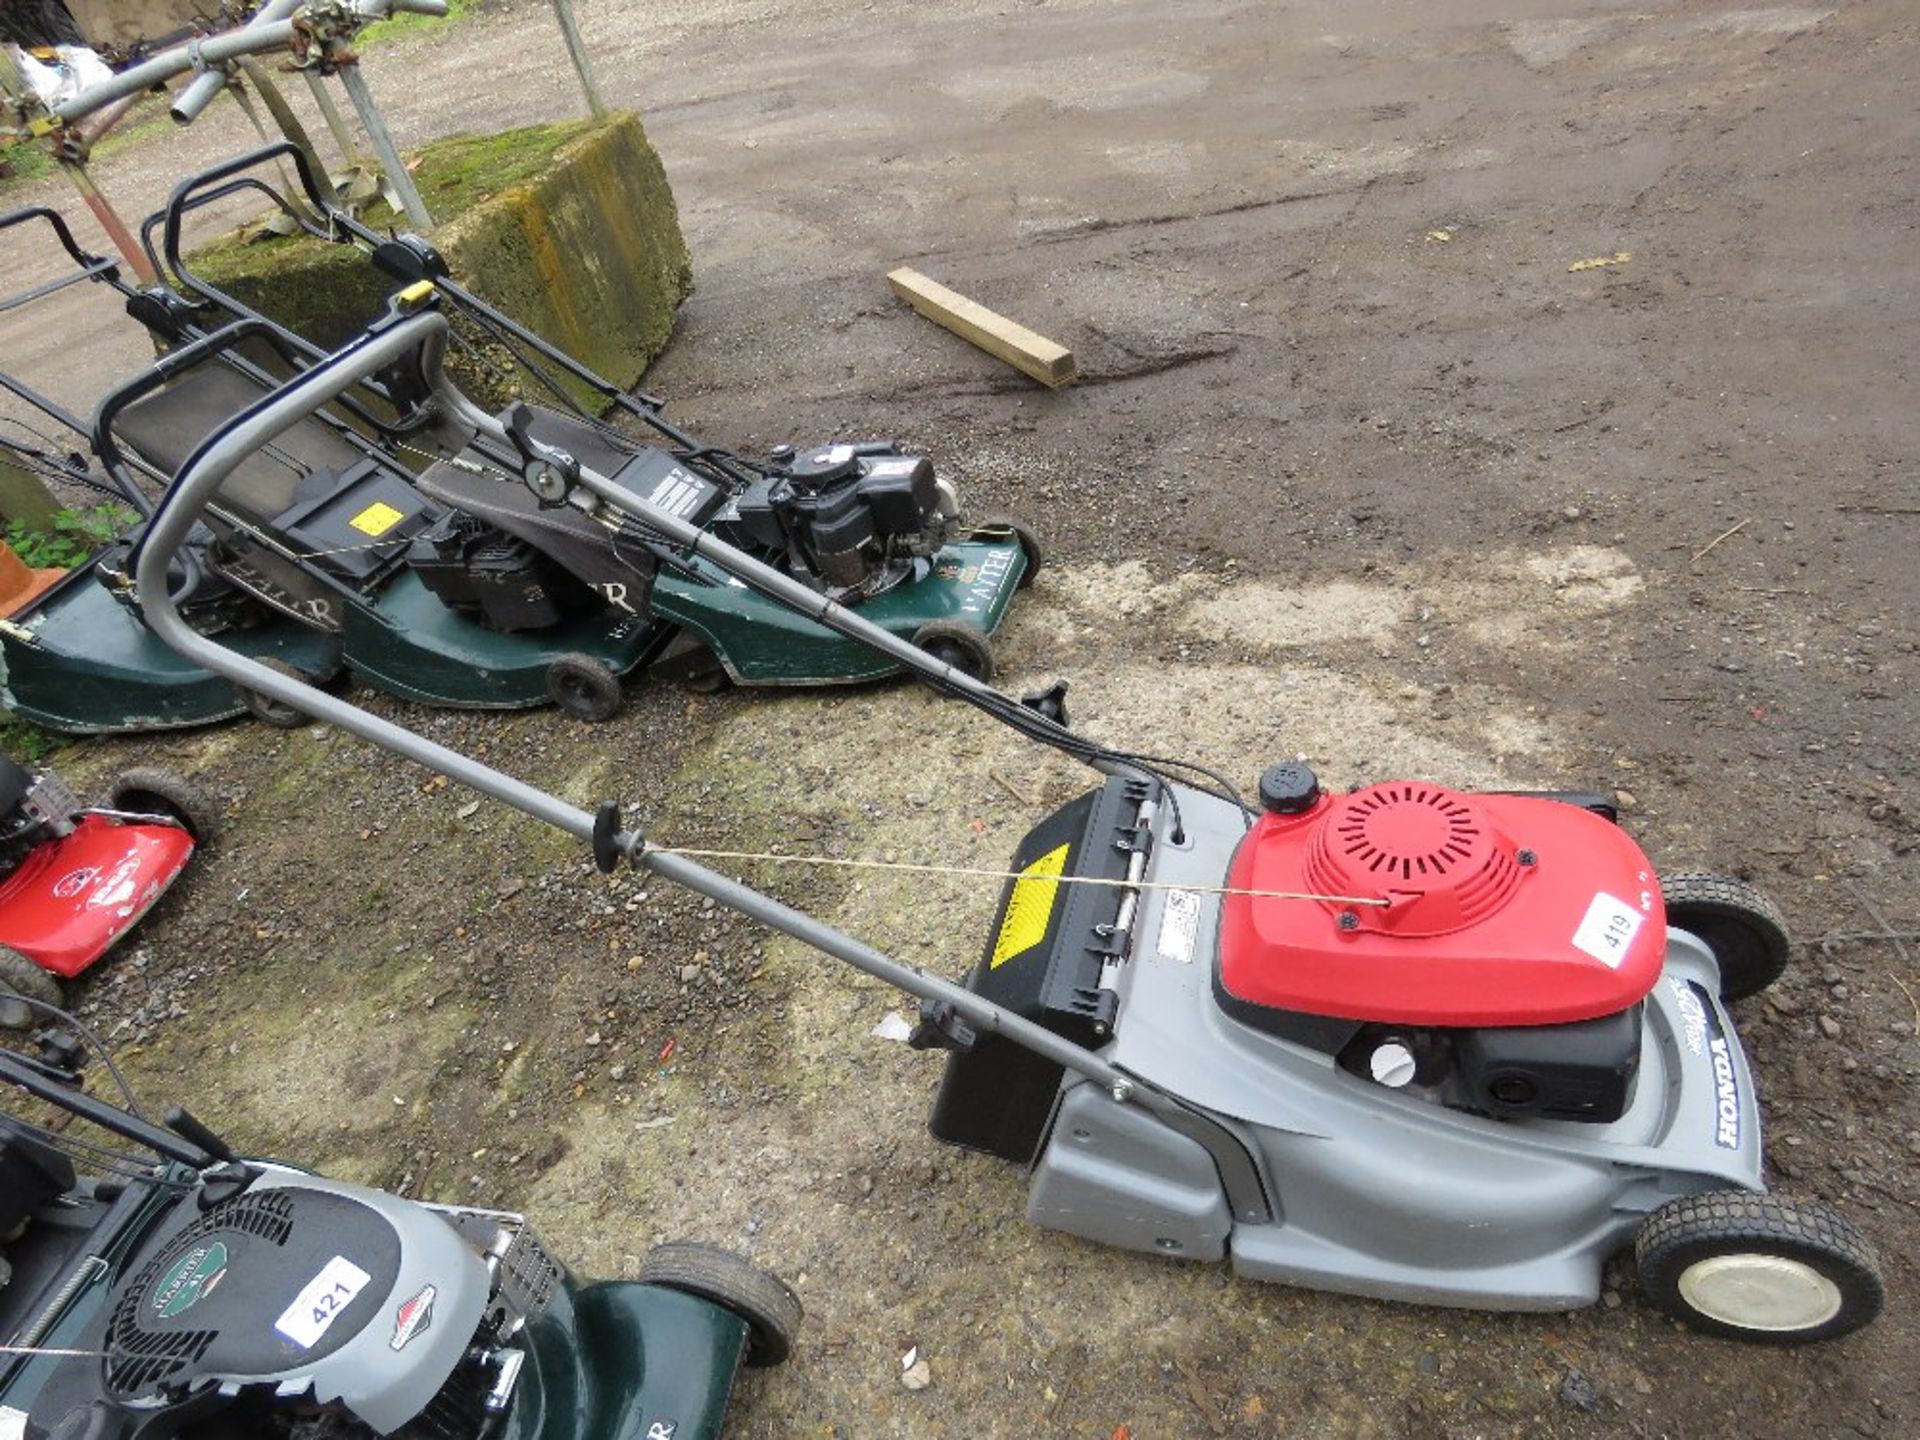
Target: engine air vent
[
  {"x": 140, "y": 1365},
  {"x": 145, "y": 1356},
  {"x": 528, "y": 1274},
  {"x": 1431, "y": 850},
  {"x": 1408, "y": 830}
]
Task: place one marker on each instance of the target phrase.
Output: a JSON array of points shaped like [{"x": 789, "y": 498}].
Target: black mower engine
[
  {"x": 301, "y": 1308},
  {"x": 848, "y": 518},
  {"x": 33, "y": 810},
  {"x": 498, "y": 579}
]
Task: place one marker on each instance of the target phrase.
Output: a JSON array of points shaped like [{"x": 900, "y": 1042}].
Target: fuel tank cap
[{"x": 1289, "y": 789}]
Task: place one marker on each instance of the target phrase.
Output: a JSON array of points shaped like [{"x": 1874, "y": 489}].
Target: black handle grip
[{"x": 184, "y": 1124}]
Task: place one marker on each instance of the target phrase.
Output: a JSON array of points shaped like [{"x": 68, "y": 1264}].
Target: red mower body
[
  {"x": 71, "y": 898},
  {"x": 1500, "y": 910}
]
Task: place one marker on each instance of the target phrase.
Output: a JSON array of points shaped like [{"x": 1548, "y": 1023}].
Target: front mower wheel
[
  {"x": 277, "y": 713},
  {"x": 1741, "y": 926},
  {"x": 958, "y": 643},
  {"x": 1757, "y": 1267},
  {"x": 147, "y": 791},
  {"x": 19, "y": 977},
  {"x": 585, "y": 688},
  {"x": 759, "y": 1297},
  {"x": 1028, "y": 541}
]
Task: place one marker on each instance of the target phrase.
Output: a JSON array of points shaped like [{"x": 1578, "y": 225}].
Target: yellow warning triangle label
[{"x": 1031, "y": 907}]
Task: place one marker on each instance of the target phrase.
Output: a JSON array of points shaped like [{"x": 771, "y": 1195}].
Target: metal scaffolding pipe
[
  {"x": 383, "y": 146},
  {"x": 577, "y": 52}
]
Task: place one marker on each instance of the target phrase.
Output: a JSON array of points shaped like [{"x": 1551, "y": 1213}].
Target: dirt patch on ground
[{"x": 1359, "y": 468}]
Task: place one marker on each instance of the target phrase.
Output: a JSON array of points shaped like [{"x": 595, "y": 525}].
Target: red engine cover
[
  {"x": 72, "y": 898},
  {"x": 1500, "y": 910}
]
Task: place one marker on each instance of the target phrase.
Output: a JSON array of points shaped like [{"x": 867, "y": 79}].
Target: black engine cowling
[{"x": 845, "y": 513}]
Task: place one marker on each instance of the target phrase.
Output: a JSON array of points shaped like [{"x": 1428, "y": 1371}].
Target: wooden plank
[{"x": 1000, "y": 337}]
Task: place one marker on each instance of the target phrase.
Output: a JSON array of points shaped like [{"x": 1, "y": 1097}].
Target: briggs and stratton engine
[
  {"x": 306, "y": 1308},
  {"x": 847, "y": 517}
]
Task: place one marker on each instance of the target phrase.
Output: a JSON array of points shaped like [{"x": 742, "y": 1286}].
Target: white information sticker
[
  {"x": 320, "y": 1302},
  {"x": 1179, "y": 922},
  {"x": 13, "y": 1423},
  {"x": 1607, "y": 930}
]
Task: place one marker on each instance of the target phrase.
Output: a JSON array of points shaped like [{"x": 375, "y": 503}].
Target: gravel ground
[{"x": 1360, "y": 467}]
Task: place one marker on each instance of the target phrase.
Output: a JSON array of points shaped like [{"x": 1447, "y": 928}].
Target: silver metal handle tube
[{"x": 220, "y": 454}]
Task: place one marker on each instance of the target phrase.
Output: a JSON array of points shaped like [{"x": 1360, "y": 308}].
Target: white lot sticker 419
[
  {"x": 1608, "y": 929},
  {"x": 320, "y": 1302}
]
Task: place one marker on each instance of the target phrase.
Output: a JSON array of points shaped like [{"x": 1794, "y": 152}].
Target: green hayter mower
[
  {"x": 164, "y": 1287},
  {"x": 864, "y": 524}
]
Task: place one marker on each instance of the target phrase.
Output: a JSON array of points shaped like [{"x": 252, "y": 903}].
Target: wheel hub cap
[{"x": 1760, "y": 1292}]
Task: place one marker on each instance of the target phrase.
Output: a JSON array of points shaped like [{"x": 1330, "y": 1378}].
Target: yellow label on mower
[
  {"x": 1031, "y": 907},
  {"x": 376, "y": 519}
]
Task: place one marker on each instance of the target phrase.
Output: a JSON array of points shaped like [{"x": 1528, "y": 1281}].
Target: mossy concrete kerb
[{"x": 570, "y": 229}]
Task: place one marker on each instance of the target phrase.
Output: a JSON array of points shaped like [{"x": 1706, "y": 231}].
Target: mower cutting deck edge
[
  {"x": 1405, "y": 1042},
  {"x": 189, "y": 1293}
]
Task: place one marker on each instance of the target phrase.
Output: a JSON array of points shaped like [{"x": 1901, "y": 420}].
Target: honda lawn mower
[
  {"x": 866, "y": 524},
  {"x": 183, "y": 1292},
  {"x": 74, "y": 879},
  {"x": 1404, "y": 1042}
]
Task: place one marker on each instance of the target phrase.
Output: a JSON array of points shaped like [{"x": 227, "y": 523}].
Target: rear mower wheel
[
  {"x": 958, "y": 643},
  {"x": 1745, "y": 931},
  {"x": 144, "y": 790},
  {"x": 759, "y": 1297},
  {"x": 1029, "y": 545},
  {"x": 277, "y": 713},
  {"x": 585, "y": 688},
  {"x": 1758, "y": 1267},
  {"x": 19, "y": 977}
]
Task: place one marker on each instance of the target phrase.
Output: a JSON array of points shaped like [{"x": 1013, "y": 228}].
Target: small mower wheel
[
  {"x": 585, "y": 688},
  {"x": 1029, "y": 545},
  {"x": 958, "y": 643},
  {"x": 757, "y": 1296},
  {"x": 146, "y": 791},
  {"x": 1743, "y": 929},
  {"x": 1757, "y": 1267},
  {"x": 706, "y": 674},
  {"x": 20, "y": 976},
  {"x": 277, "y": 713}
]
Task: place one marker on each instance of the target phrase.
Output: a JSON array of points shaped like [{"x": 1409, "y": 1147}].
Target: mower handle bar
[
  {"x": 91, "y": 267},
  {"x": 274, "y": 28},
  {"x": 187, "y": 196},
  {"x": 60, "y": 229},
  {"x": 227, "y": 191},
  {"x": 19, "y": 1073},
  {"x": 425, "y": 334}
]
